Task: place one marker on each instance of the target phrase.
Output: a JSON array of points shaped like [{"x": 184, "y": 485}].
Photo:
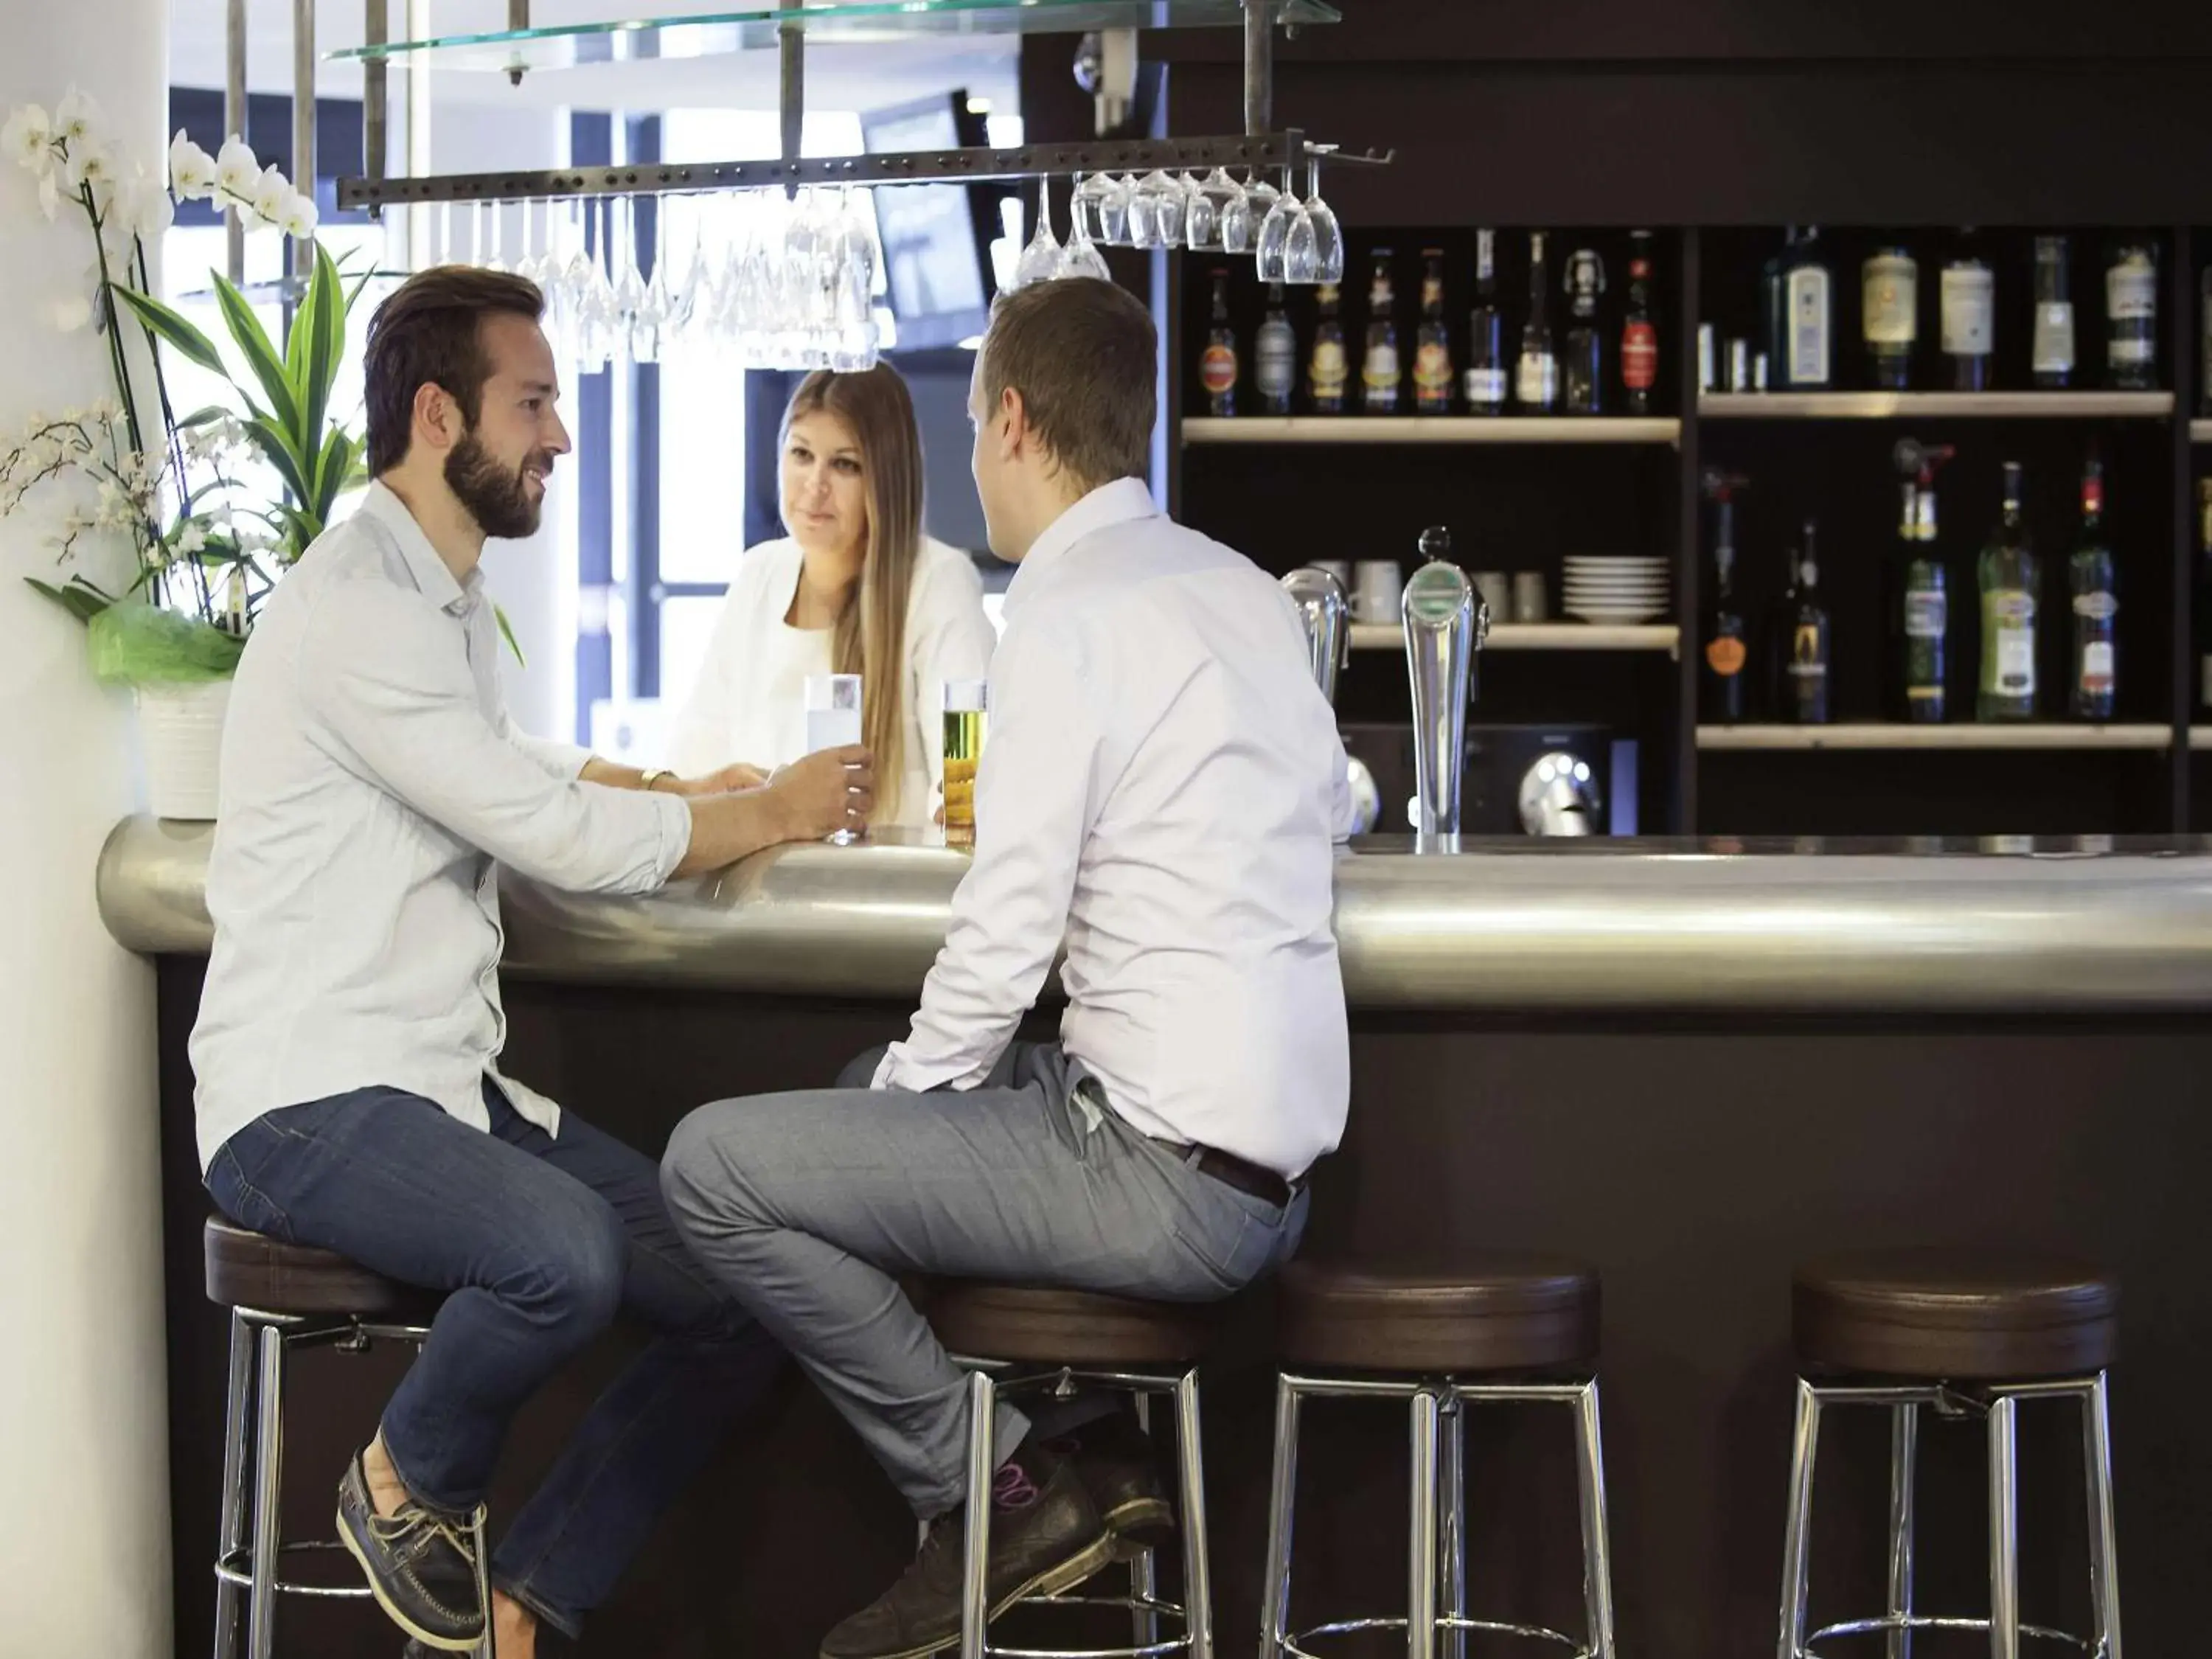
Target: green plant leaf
[
  {"x": 339, "y": 457},
  {"x": 174, "y": 329},
  {"x": 506, "y": 633},
  {"x": 260, "y": 357},
  {"x": 79, "y": 598},
  {"x": 202, "y": 416},
  {"x": 324, "y": 313},
  {"x": 276, "y": 446}
]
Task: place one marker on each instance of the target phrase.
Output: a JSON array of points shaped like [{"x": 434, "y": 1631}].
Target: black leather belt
[{"x": 1249, "y": 1178}]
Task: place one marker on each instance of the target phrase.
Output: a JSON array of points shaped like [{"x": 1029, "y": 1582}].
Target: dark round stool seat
[
  {"x": 1495, "y": 1313},
  {"x": 1034, "y": 1325},
  {"x": 1944, "y": 1316},
  {"x": 247, "y": 1269}
]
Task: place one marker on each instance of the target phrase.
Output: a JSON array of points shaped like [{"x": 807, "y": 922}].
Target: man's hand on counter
[
  {"x": 727, "y": 782},
  {"x": 806, "y": 800}
]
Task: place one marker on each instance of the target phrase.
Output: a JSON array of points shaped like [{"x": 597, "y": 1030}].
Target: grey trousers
[{"x": 805, "y": 1204}]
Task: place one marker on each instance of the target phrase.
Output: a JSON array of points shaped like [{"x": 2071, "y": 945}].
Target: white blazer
[{"x": 750, "y": 702}]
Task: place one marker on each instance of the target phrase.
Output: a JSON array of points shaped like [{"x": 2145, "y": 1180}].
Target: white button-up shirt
[
  {"x": 1162, "y": 785},
  {"x": 370, "y": 778}
]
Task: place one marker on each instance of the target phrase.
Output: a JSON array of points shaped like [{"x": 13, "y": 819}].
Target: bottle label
[
  {"x": 1926, "y": 615},
  {"x": 1486, "y": 387},
  {"x": 2131, "y": 292},
  {"x": 2097, "y": 666},
  {"x": 2008, "y": 626},
  {"x": 2054, "y": 337},
  {"x": 1810, "y": 311},
  {"x": 1275, "y": 361},
  {"x": 1486, "y": 254},
  {"x": 2015, "y": 661},
  {"x": 1805, "y": 660},
  {"x": 1329, "y": 369},
  {"x": 1216, "y": 369},
  {"x": 1891, "y": 300},
  {"x": 2100, "y": 607},
  {"x": 1380, "y": 371},
  {"x": 1969, "y": 295},
  {"x": 1432, "y": 374},
  {"x": 2126, "y": 349},
  {"x": 1640, "y": 356},
  {"x": 1725, "y": 656},
  {"x": 1537, "y": 382}
]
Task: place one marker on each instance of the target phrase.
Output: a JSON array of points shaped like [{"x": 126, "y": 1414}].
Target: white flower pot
[{"x": 181, "y": 728}]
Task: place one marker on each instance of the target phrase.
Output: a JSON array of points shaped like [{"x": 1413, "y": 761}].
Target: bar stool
[
  {"x": 1971, "y": 1337},
  {"x": 283, "y": 1297},
  {"x": 1503, "y": 1330},
  {"x": 1022, "y": 1338}
]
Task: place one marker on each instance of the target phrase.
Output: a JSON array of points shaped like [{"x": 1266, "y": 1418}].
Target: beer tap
[
  {"x": 1325, "y": 614},
  {"x": 1445, "y": 626}
]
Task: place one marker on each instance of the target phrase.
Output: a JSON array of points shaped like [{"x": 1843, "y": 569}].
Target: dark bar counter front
[{"x": 1693, "y": 1064}]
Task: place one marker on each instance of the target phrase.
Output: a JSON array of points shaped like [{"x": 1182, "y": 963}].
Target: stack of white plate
[{"x": 1615, "y": 591}]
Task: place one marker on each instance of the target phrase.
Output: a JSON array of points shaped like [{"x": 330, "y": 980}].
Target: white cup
[
  {"x": 1339, "y": 569},
  {"x": 1379, "y": 591},
  {"x": 1530, "y": 604},
  {"x": 1496, "y": 589}
]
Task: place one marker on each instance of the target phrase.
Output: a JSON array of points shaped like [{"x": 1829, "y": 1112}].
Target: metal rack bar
[{"x": 303, "y": 124}]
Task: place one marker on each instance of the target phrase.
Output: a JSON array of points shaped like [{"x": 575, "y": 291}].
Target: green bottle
[{"x": 2009, "y": 582}]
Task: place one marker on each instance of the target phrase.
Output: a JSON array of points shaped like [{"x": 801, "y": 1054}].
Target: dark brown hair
[
  {"x": 1082, "y": 353},
  {"x": 870, "y": 639},
  {"x": 426, "y": 333}
]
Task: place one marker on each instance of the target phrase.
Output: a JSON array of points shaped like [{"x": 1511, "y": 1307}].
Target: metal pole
[
  {"x": 234, "y": 119},
  {"x": 375, "y": 88},
  {"x": 1258, "y": 69},
  {"x": 791, "y": 96},
  {"x": 303, "y": 124},
  {"x": 518, "y": 19},
  {"x": 418, "y": 132}
]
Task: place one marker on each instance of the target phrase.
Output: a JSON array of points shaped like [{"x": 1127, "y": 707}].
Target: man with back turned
[{"x": 1161, "y": 790}]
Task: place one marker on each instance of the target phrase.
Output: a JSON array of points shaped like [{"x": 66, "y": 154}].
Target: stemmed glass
[
  {"x": 1315, "y": 253},
  {"x": 1201, "y": 217},
  {"x": 1272, "y": 254},
  {"x": 1115, "y": 198},
  {"x": 1167, "y": 203},
  {"x": 1081, "y": 256},
  {"x": 1040, "y": 260},
  {"x": 628, "y": 287},
  {"x": 487, "y": 242},
  {"x": 590, "y": 299},
  {"x": 1233, "y": 218}
]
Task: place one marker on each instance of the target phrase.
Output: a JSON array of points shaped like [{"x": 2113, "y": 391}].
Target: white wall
[{"x": 84, "y": 1533}]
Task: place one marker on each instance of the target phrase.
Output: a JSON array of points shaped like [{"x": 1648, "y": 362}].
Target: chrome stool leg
[
  {"x": 2104, "y": 1565},
  {"x": 1452, "y": 1518},
  {"x": 1421, "y": 1543},
  {"x": 230, "y": 1535},
  {"x": 268, "y": 1492},
  {"x": 1282, "y": 1496},
  {"x": 1796, "y": 1536},
  {"x": 1903, "y": 1459},
  {"x": 1197, "y": 1576},
  {"x": 1597, "y": 1549},
  {"x": 2004, "y": 1528},
  {"x": 975, "y": 1587},
  {"x": 1144, "y": 1577}
]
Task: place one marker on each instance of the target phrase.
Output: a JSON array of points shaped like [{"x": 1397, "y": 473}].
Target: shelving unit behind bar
[{"x": 1287, "y": 488}]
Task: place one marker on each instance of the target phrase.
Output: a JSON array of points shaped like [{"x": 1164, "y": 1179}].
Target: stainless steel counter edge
[{"x": 1654, "y": 930}]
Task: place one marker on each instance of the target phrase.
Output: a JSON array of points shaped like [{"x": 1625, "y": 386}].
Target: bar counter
[{"x": 1691, "y": 1064}]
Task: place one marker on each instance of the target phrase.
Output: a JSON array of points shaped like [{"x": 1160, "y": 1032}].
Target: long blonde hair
[{"x": 870, "y": 639}]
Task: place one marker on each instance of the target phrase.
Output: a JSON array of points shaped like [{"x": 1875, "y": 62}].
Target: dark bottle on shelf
[
  {"x": 1583, "y": 391},
  {"x": 1889, "y": 312},
  {"x": 2204, "y": 347},
  {"x": 1327, "y": 370},
  {"x": 1808, "y": 312},
  {"x": 1381, "y": 375},
  {"x": 2053, "y": 355},
  {"x": 1536, "y": 374},
  {"x": 1720, "y": 681},
  {"x": 2007, "y": 576},
  {"x": 1773, "y": 313},
  {"x": 1639, "y": 340},
  {"x": 1924, "y": 601},
  {"x": 2093, "y": 675},
  {"x": 1217, "y": 364},
  {"x": 1969, "y": 310},
  {"x": 1808, "y": 640},
  {"x": 1485, "y": 385},
  {"x": 2204, "y": 621},
  {"x": 2131, "y": 319},
  {"x": 1432, "y": 365},
  {"x": 1274, "y": 356}
]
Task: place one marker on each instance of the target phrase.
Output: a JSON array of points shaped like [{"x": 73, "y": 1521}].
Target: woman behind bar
[{"x": 855, "y": 588}]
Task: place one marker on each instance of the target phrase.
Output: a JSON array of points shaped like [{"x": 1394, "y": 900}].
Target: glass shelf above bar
[
  {"x": 1964, "y": 734},
  {"x": 1430, "y": 429},
  {"x": 708, "y": 35},
  {"x": 1965, "y": 405}
]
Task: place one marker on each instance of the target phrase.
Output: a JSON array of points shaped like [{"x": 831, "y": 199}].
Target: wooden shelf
[
  {"x": 1430, "y": 429},
  {"x": 1978, "y": 405},
  {"x": 1538, "y": 637},
  {"x": 1963, "y": 734}
]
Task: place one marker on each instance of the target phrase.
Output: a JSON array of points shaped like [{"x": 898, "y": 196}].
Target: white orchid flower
[
  {"x": 75, "y": 117},
  {"x": 156, "y": 213},
  {"x": 28, "y": 138},
  {"x": 49, "y": 194},
  {"x": 71, "y": 315},
  {"x": 89, "y": 164},
  {"x": 236, "y": 170},
  {"x": 299, "y": 216},
  {"x": 192, "y": 169},
  {"x": 271, "y": 196}
]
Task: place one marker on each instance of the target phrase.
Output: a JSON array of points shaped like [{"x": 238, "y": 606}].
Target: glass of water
[{"x": 833, "y": 722}]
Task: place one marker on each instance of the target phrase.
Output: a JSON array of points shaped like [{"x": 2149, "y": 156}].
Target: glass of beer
[
  {"x": 833, "y": 722},
  {"x": 967, "y": 711}
]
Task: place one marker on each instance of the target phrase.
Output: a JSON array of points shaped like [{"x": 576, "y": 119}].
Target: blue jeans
[{"x": 540, "y": 1242}]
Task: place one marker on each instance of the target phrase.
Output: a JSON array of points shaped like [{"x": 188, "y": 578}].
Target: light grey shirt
[{"x": 372, "y": 783}]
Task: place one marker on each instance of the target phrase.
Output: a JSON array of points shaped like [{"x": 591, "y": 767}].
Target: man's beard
[{"x": 498, "y": 500}]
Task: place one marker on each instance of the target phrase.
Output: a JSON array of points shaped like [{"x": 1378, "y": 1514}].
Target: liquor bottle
[
  {"x": 1774, "y": 310},
  {"x": 2204, "y": 327},
  {"x": 1485, "y": 334},
  {"x": 1432, "y": 368},
  {"x": 1722, "y": 681},
  {"x": 1890, "y": 313},
  {"x": 1217, "y": 364},
  {"x": 1924, "y": 604},
  {"x": 2053, "y": 353},
  {"x": 1809, "y": 313},
  {"x": 1536, "y": 375},
  {"x": 2093, "y": 676},
  {"x": 1781, "y": 629},
  {"x": 1808, "y": 641},
  {"x": 2007, "y": 576},
  {"x": 1639, "y": 340},
  {"x": 1969, "y": 302},
  {"x": 1326, "y": 368},
  {"x": 1380, "y": 371},
  {"x": 1585, "y": 373},
  {"x": 2131, "y": 319},
  {"x": 2204, "y": 593},
  {"x": 1275, "y": 356}
]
